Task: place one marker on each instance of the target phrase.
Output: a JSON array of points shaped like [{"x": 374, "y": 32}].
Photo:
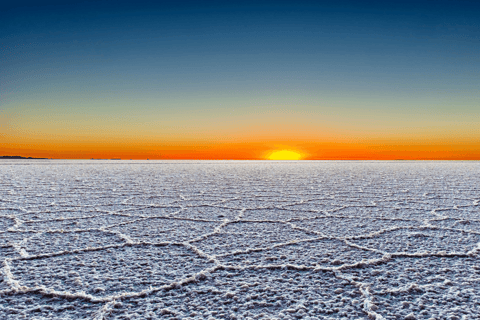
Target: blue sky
[{"x": 352, "y": 69}]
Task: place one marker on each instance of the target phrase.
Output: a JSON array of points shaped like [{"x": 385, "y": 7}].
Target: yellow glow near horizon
[{"x": 284, "y": 155}]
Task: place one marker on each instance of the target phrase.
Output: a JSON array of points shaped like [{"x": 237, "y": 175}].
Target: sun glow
[{"x": 284, "y": 155}]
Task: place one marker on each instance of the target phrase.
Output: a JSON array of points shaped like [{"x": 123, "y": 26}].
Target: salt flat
[{"x": 239, "y": 240}]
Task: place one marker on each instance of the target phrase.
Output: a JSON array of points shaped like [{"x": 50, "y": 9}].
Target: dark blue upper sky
[
  {"x": 243, "y": 41},
  {"x": 190, "y": 41}
]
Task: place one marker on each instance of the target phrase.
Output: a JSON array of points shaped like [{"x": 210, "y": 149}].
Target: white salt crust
[{"x": 239, "y": 240}]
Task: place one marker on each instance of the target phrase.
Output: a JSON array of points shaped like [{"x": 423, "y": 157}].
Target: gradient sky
[{"x": 236, "y": 80}]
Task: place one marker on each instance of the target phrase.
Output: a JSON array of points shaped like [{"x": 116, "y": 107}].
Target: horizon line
[{"x": 269, "y": 160}]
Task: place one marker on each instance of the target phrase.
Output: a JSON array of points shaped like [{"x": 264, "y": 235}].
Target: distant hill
[{"x": 20, "y": 157}]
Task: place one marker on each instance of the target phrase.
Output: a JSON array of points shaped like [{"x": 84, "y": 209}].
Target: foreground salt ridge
[{"x": 196, "y": 244}]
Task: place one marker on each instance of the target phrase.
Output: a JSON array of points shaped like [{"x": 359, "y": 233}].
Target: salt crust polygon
[
  {"x": 112, "y": 271},
  {"x": 255, "y": 294}
]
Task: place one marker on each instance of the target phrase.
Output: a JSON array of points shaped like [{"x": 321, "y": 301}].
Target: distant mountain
[{"x": 19, "y": 157}]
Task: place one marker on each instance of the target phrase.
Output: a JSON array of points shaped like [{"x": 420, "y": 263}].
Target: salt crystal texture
[{"x": 239, "y": 240}]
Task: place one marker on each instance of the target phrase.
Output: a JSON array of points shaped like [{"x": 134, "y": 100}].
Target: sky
[{"x": 240, "y": 79}]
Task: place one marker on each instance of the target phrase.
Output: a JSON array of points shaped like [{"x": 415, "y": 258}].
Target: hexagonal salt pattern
[
  {"x": 421, "y": 240},
  {"x": 31, "y": 305},
  {"x": 164, "y": 230},
  {"x": 460, "y": 224},
  {"x": 208, "y": 213},
  {"x": 112, "y": 271},
  {"x": 433, "y": 288},
  {"x": 70, "y": 224},
  {"x": 350, "y": 226},
  {"x": 239, "y": 240},
  {"x": 252, "y": 294},
  {"x": 310, "y": 253},
  {"x": 248, "y": 235},
  {"x": 51, "y": 242},
  {"x": 277, "y": 213}
]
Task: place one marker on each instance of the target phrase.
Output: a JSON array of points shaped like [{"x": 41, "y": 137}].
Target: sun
[{"x": 284, "y": 155}]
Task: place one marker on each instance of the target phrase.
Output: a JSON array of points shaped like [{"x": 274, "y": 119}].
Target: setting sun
[{"x": 284, "y": 155}]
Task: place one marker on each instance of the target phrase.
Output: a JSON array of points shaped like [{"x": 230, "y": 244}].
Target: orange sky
[
  {"x": 244, "y": 150},
  {"x": 253, "y": 135}
]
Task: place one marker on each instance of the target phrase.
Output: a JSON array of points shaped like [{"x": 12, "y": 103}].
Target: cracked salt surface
[{"x": 239, "y": 240}]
